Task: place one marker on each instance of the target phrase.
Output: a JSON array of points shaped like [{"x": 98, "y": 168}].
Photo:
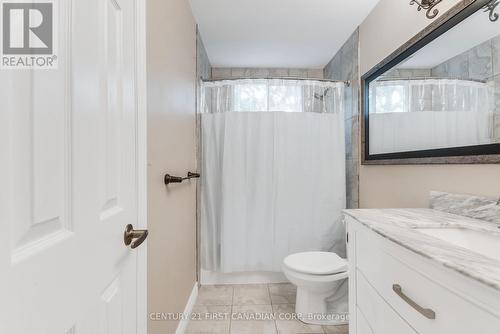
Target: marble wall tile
[
  {"x": 221, "y": 73},
  {"x": 393, "y": 73},
  {"x": 352, "y": 138},
  {"x": 344, "y": 66},
  {"x": 348, "y": 138},
  {"x": 203, "y": 67},
  {"x": 481, "y": 61},
  {"x": 496, "y": 128},
  {"x": 247, "y": 73},
  {"x": 440, "y": 71},
  {"x": 418, "y": 72},
  {"x": 355, "y": 55},
  {"x": 352, "y": 180},
  {"x": 495, "y": 54},
  {"x": 237, "y": 72},
  {"x": 347, "y": 61},
  {"x": 496, "y": 83},
  {"x": 355, "y": 96},
  {"x": 348, "y": 102},
  {"x": 408, "y": 73},
  {"x": 256, "y": 73},
  {"x": 356, "y": 140},
  {"x": 297, "y": 73},
  {"x": 278, "y": 72},
  {"x": 333, "y": 69},
  {"x": 484, "y": 208},
  {"x": 315, "y": 73},
  {"x": 260, "y": 72},
  {"x": 456, "y": 67},
  {"x": 327, "y": 72}
]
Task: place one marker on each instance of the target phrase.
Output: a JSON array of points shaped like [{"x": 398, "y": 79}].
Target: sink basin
[{"x": 485, "y": 243}]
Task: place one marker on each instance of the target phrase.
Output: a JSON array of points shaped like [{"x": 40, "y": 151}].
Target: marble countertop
[{"x": 401, "y": 226}]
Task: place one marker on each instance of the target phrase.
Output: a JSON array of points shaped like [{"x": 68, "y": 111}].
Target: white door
[{"x": 69, "y": 171}]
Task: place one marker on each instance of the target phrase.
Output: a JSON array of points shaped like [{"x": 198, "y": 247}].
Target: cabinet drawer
[
  {"x": 453, "y": 314},
  {"x": 378, "y": 316}
]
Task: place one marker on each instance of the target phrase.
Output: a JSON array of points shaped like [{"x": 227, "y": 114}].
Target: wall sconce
[{"x": 428, "y": 5}]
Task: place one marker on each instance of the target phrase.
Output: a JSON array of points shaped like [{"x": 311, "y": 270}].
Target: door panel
[
  {"x": 39, "y": 155},
  {"x": 112, "y": 89},
  {"x": 70, "y": 178}
]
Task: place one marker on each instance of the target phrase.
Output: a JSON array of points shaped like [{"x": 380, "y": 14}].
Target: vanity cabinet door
[{"x": 378, "y": 263}]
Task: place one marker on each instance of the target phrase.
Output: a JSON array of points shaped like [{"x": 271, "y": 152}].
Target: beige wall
[
  {"x": 391, "y": 24},
  {"x": 408, "y": 186},
  {"x": 171, "y": 59}
]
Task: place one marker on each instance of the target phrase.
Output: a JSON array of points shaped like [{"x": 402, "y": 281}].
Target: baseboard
[{"x": 184, "y": 322}]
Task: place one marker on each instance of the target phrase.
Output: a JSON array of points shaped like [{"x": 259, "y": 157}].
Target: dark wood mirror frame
[{"x": 477, "y": 154}]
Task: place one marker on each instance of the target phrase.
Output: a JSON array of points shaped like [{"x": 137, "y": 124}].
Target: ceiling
[{"x": 277, "y": 33}]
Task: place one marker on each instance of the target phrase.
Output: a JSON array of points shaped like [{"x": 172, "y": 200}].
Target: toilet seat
[{"x": 316, "y": 263}]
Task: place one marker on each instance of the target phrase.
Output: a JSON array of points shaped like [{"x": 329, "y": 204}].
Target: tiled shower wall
[
  {"x": 203, "y": 67},
  {"x": 406, "y": 73},
  {"x": 256, "y": 73},
  {"x": 344, "y": 67},
  {"x": 479, "y": 63}
]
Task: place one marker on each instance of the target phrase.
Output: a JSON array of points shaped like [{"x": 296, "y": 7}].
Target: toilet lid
[{"x": 316, "y": 263}]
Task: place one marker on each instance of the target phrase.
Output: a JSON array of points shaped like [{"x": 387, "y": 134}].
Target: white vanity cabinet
[{"x": 394, "y": 290}]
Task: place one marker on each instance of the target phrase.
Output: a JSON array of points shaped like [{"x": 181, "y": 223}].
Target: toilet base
[
  {"x": 312, "y": 308},
  {"x": 321, "y": 293},
  {"x": 325, "y": 323}
]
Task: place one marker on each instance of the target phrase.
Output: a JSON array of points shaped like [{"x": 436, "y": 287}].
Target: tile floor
[{"x": 248, "y": 309}]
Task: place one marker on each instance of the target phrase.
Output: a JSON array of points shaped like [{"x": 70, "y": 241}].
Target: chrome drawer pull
[{"x": 426, "y": 312}]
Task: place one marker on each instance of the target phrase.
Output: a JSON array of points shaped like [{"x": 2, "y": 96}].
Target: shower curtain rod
[{"x": 347, "y": 83}]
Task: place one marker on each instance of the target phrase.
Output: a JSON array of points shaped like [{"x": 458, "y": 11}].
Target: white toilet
[{"x": 318, "y": 277}]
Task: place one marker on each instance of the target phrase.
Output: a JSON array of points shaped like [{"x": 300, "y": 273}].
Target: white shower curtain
[
  {"x": 413, "y": 115},
  {"x": 273, "y": 182}
]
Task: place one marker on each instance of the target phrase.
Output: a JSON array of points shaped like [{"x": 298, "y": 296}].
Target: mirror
[{"x": 441, "y": 96}]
